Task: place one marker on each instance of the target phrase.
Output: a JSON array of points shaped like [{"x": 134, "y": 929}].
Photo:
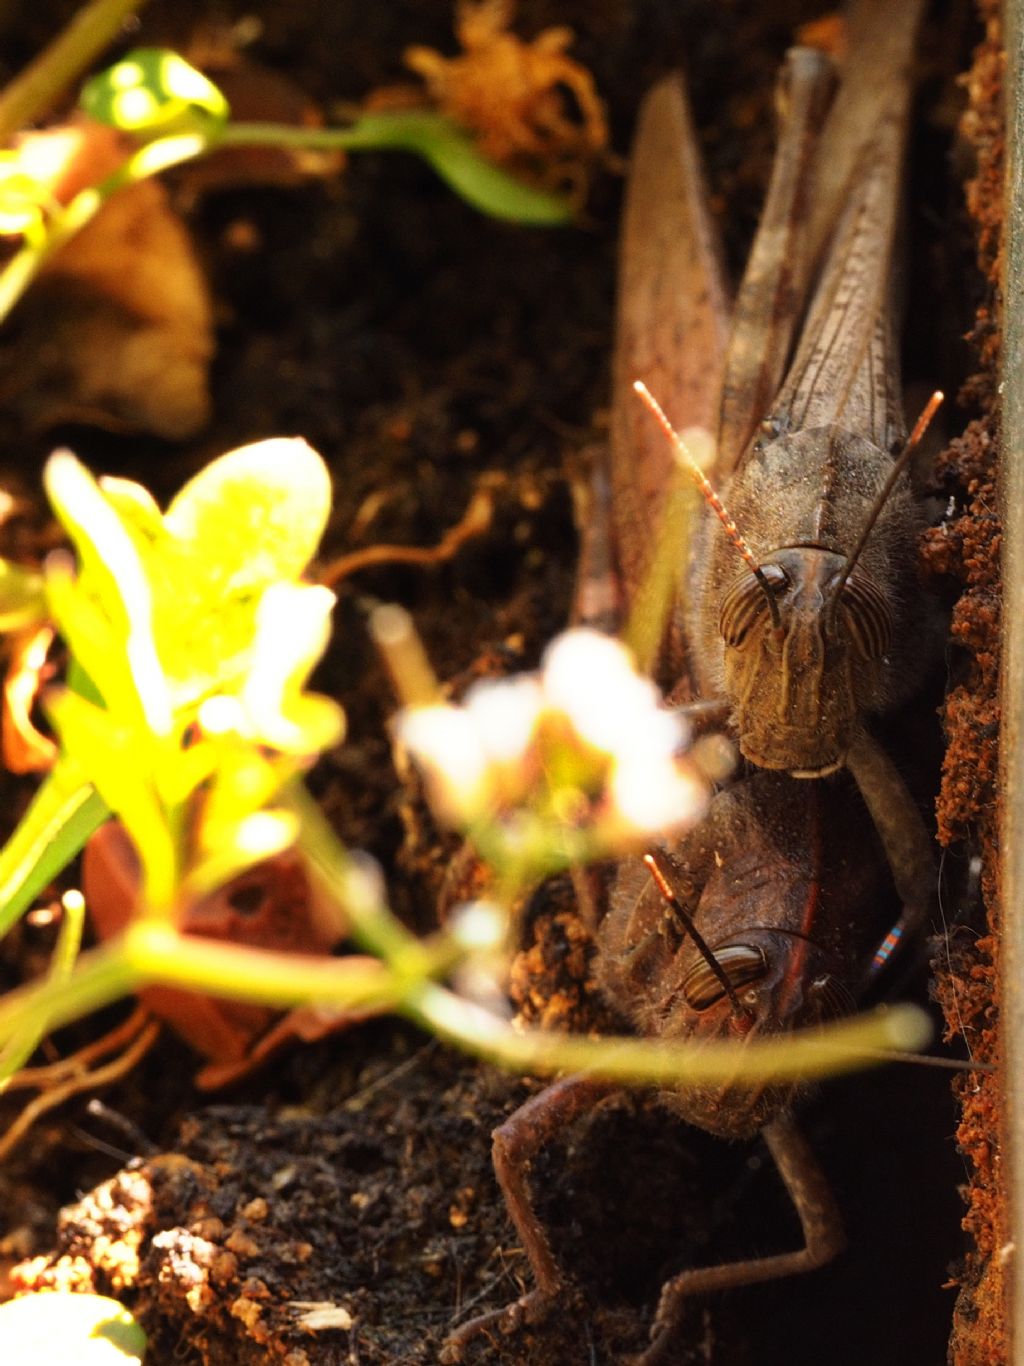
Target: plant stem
[
  {"x": 369, "y": 132},
  {"x": 157, "y": 953},
  {"x": 152, "y": 953},
  {"x": 844, "y": 1046},
  {"x": 450, "y": 150},
  {"x": 374, "y": 926},
  {"x": 26, "y": 264},
  {"x": 22, "y": 1045},
  {"x": 32, "y": 92},
  {"x": 101, "y": 976}
]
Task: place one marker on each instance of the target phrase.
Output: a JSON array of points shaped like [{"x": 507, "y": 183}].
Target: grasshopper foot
[{"x": 531, "y": 1308}]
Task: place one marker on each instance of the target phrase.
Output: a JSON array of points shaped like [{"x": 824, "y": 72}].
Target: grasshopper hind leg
[
  {"x": 516, "y": 1143},
  {"x": 820, "y": 1221}
]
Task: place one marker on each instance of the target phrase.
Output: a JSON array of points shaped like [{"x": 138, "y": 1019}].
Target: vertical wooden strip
[{"x": 1012, "y": 736}]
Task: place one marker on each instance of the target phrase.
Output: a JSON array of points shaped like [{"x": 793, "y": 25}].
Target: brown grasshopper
[
  {"x": 770, "y": 915},
  {"x": 754, "y": 923},
  {"x": 827, "y": 626},
  {"x": 762, "y": 919}
]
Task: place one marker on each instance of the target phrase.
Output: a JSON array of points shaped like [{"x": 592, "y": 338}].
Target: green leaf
[
  {"x": 63, "y": 814},
  {"x": 24, "y": 199},
  {"x": 108, "y": 752},
  {"x": 250, "y": 519},
  {"x": 94, "y": 644},
  {"x": 113, "y": 575},
  {"x": 292, "y": 630},
  {"x": 163, "y": 613},
  {"x": 58, "y": 1327},
  {"x": 260, "y": 836},
  {"x": 20, "y": 1047},
  {"x": 455, "y": 157},
  {"x": 254, "y": 516},
  {"x": 135, "y": 505},
  {"x": 154, "y": 93}
]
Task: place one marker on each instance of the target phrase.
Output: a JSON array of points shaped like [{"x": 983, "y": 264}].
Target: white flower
[
  {"x": 505, "y": 715},
  {"x": 592, "y": 679},
  {"x": 447, "y": 746},
  {"x": 579, "y": 760},
  {"x": 652, "y": 797}
]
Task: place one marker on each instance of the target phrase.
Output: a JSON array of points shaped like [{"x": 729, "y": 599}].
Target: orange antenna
[
  {"x": 898, "y": 466},
  {"x": 697, "y": 474},
  {"x": 668, "y": 895}
]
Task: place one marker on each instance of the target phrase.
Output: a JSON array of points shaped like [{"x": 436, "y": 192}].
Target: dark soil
[{"x": 419, "y": 347}]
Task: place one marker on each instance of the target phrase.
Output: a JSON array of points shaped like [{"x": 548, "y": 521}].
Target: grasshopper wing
[{"x": 672, "y": 325}]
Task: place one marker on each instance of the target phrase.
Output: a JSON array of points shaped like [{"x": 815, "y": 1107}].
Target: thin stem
[
  {"x": 32, "y": 92},
  {"x": 395, "y": 636},
  {"x": 101, "y": 976},
  {"x": 151, "y": 953},
  {"x": 374, "y": 925},
  {"x": 366, "y": 133},
  {"x": 844, "y": 1046},
  {"x": 158, "y": 953},
  {"x": 26, "y": 264},
  {"x": 22, "y": 1045}
]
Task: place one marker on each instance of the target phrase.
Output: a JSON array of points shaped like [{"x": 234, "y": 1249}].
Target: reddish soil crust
[
  {"x": 967, "y": 965},
  {"x": 420, "y": 347}
]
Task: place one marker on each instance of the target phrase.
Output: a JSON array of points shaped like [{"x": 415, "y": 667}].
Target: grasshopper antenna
[
  {"x": 688, "y": 463},
  {"x": 665, "y": 888},
  {"x": 899, "y": 465},
  {"x": 928, "y": 1060}
]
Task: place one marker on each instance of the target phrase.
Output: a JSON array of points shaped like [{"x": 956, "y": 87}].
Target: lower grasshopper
[
  {"x": 753, "y": 923},
  {"x": 762, "y": 919}
]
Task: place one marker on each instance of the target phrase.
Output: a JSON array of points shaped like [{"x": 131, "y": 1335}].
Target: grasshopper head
[
  {"x": 784, "y": 981},
  {"x": 801, "y": 666}
]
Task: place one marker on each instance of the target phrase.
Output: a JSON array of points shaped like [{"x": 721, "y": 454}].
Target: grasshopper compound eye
[
  {"x": 865, "y": 612},
  {"x": 742, "y": 964},
  {"x": 748, "y": 602}
]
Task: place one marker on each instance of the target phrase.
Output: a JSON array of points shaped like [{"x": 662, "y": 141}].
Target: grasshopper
[
  {"x": 753, "y": 923},
  {"x": 827, "y": 626},
  {"x": 762, "y": 919}
]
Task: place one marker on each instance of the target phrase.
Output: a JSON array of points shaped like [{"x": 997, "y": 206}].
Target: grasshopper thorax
[{"x": 800, "y": 668}]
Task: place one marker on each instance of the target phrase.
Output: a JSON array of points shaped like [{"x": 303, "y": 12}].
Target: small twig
[
  {"x": 359, "y": 1098},
  {"x": 103, "y": 1076},
  {"x": 474, "y": 522},
  {"x": 141, "y": 1144},
  {"x": 77, "y": 1063},
  {"x": 462, "y": 1308}
]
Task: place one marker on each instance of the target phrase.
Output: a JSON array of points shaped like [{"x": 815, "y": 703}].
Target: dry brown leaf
[{"x": 529, "y": 105}]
